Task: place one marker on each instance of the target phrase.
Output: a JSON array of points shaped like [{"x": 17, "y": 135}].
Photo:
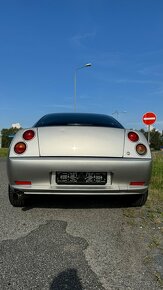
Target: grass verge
[
  {"x": 148, "y": 220},
  {"x": 3, "y": 152}
]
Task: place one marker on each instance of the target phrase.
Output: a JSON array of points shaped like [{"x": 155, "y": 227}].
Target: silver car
[{"x": 78, "y": 153}]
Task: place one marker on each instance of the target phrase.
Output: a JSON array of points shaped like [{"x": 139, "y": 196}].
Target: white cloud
[
  {"x": 16, "y": 125},
  {"x": 128, "y": 80},
  {"x": 136, "y": 81},
  {"x": 152, "y": 70},
  {"x": 79, "y": 40},
  {"x": 158, "y": 92},
  {"x": 7, "y": 108}
]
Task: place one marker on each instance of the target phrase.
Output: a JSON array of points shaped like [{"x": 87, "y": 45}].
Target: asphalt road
[{"x": 82, "y": 243}]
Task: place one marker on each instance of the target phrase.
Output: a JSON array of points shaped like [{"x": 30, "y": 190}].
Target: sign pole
[{"x": 149, "y": 134}]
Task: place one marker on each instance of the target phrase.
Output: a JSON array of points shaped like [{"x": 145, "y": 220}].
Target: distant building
[{"x": 16, "y": 125}]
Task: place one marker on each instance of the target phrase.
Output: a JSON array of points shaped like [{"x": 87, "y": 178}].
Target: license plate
[{"x": 83, "y": 178}]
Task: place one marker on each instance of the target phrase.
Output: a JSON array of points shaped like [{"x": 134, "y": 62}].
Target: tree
[
  {"x": 156, "y": 138},
  {"x": 7, "y": 136}
]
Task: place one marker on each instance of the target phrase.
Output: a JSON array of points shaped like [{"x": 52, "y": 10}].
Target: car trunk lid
[{"x": 81, "y": 141}]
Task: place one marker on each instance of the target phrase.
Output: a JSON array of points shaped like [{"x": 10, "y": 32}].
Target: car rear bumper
[{"x": 41, "y": 172}]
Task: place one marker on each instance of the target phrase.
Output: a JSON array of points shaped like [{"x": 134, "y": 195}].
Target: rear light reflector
[
  {"x": 20, "y": 148},
  {"x": 141, "y": 149},
  {"x": 28, "y": 135},
  {"x": 133, "y": 136},
  {"x": 23, "y": 182},
  {"x": 135, "y": 183}
]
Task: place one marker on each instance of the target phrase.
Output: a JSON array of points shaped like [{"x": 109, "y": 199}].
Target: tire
[
  {"x": 139, "y": 200},
  {"x": 16, "y": 198}
]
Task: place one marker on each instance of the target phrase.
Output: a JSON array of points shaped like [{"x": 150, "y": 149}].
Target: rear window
[{"x": 78, "y": 119}]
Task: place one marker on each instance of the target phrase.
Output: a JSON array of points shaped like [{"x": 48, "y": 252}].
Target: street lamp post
[{"x": 86, "y": 65}]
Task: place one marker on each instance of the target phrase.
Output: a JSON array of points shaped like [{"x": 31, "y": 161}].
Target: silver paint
[{"x": 77, "y": 148}]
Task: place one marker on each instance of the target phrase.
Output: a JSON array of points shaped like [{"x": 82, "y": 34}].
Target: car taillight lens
[
  {"x": 20, "y": 148},
  {"x": 133, "y": 136},
  {"x": 28, "y": 135},
  {"x": 137, "y": 183},
  {"x": 23, "y": 182},
  {"x": 141, "y": 149}
]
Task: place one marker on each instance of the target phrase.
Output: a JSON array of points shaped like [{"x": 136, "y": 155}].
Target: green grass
[
  {"x": 150, "y": 217},
  {"x": 3, "y": 152},
  {"x": 154, "y": 203},
  {"x": 156, "y": 186}
]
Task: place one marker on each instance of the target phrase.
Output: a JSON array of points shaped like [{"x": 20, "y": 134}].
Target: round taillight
[
  {"x": 141, "y": 149},
  {"x": 133, "y": 136},
  {"x": 28, "y": 135},
  {"x": 20, "y": 148}
]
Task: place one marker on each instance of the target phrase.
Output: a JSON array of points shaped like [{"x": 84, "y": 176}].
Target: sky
[{"x": 43, "y": 43}]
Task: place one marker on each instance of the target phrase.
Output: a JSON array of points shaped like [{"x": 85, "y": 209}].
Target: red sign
[{"x": 149, "y": 118}]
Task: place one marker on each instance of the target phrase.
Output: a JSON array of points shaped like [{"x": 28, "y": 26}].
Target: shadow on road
[
  {"x": 66, "y": 280},
  {"x": 76, "y": 201}
]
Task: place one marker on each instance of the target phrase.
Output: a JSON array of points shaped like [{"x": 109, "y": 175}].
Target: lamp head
[{"x": 88, "y": 64}]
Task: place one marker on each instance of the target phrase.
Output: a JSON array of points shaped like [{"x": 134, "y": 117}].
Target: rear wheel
[
  {"x": 139, "y": 200},
  {"x": 16, "y": 198}
]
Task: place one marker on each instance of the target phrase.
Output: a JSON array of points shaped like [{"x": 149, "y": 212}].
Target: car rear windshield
[{"x": 78, "y": 119}]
